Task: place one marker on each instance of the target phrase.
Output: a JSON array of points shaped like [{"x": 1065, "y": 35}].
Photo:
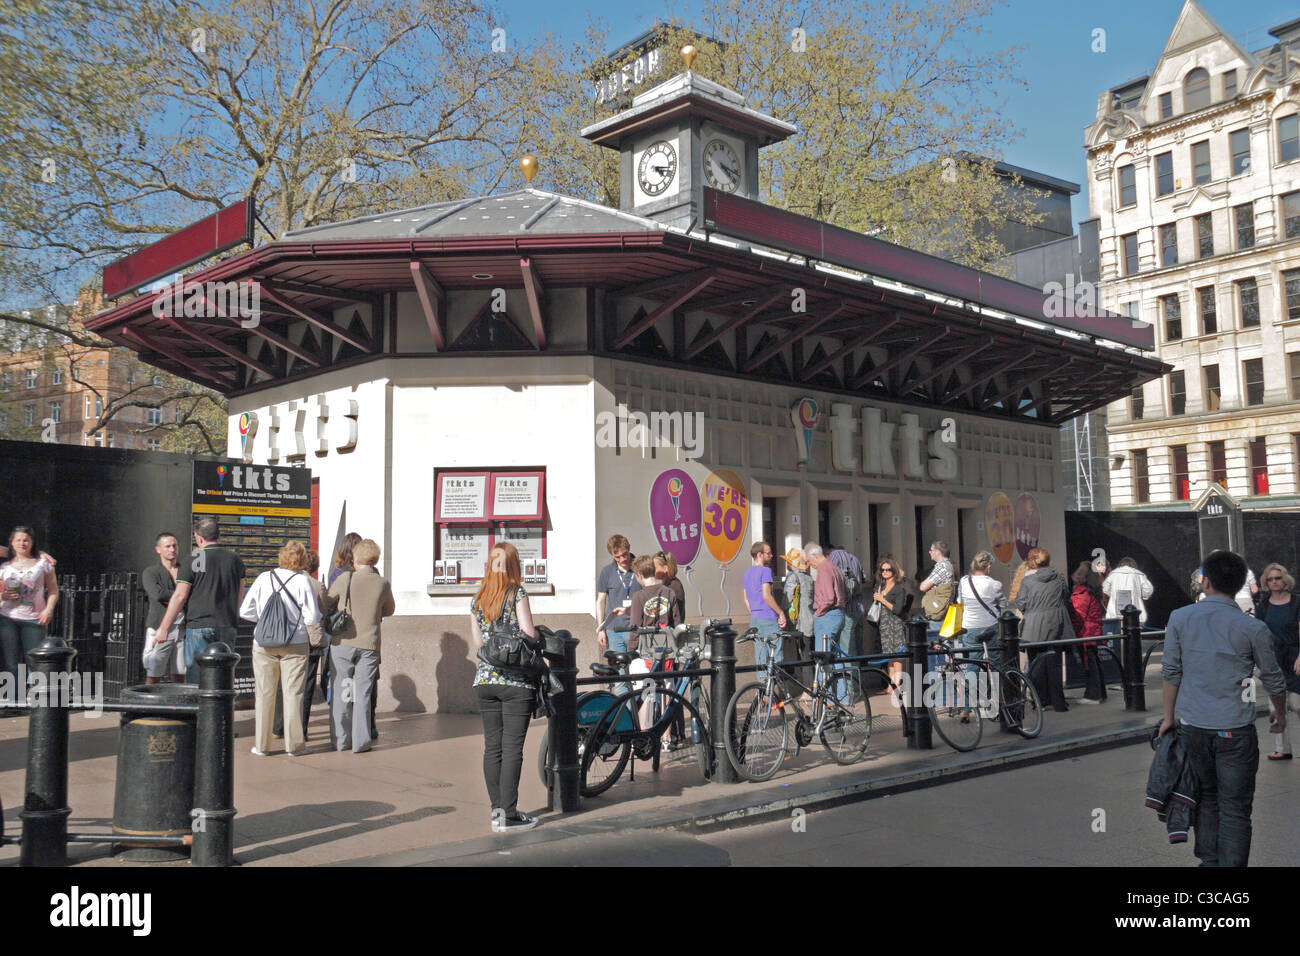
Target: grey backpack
[{"x": 274, "y": 627}]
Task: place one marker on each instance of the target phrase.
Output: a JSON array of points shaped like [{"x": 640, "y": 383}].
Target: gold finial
[
  {"x": 528, "y": 166},
  {"x": 688, "y": 55}
]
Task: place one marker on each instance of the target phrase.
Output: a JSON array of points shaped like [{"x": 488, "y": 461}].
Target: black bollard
[
  {"x": 722, "y": 651},
  {"x": 45, "y": 807},
  {"x": 1135, "y": 697},
  {"x": 213, "y": 817},
  {"x": 918, "y": 645},
  {"x": 565, "y": 769},
  {"x": 1008, "y": 656}
]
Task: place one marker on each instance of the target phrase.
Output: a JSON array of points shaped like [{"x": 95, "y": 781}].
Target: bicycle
[
  {"x": 610, "y": 728},
  {"x": 756, "y": 727},
  {"x": 959, "y": 717}
]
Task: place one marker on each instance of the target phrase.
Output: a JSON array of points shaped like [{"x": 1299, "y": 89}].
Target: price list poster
[{"x": 259, "y": 508}]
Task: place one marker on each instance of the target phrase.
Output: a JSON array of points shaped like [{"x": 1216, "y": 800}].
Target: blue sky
[{"x": 1064, "y": 75}]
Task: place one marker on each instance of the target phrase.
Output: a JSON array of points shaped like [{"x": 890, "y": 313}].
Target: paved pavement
[
  {"x": 419, "y": 797},
  {"x": 1079, "y": 811}
]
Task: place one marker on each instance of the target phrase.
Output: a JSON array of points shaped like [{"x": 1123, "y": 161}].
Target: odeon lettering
[{"x": 888, "y": 449}]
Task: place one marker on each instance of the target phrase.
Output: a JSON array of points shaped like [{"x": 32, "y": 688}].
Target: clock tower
[{"x": 681, "y": 136}]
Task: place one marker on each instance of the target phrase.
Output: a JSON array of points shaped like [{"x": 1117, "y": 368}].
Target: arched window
[{"x": 1196, "y": 90}]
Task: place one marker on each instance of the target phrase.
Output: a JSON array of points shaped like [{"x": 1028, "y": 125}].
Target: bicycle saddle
[
  {"x": 619, "y": 658},
  {"x": 604, "y": 670}
]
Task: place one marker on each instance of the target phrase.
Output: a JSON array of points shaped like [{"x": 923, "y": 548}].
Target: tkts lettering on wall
[
  {"x": 684, "y": 370},
  {"x": 259, "y": 507}
]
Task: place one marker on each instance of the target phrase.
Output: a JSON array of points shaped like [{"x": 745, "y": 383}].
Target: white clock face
[
  {"x": 721, "y": 166},
  {"x": 658, "y": 168}
]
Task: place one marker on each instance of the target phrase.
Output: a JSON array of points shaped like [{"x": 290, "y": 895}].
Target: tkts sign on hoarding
[{"x": 227, "y": 487}]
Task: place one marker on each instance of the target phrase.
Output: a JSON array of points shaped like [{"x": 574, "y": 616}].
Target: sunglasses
[{"x": 886, "y": 570}]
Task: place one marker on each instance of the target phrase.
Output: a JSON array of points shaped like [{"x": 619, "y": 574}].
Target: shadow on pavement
[{"x": 263, "y": 833}]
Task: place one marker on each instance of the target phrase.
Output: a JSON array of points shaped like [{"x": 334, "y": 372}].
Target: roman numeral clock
[{"x": 678, "y": 138}]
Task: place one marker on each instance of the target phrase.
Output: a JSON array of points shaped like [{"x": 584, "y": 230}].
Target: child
[{"x": 655, "y": 605}]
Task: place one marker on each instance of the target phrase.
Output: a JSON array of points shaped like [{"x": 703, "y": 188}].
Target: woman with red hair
[{"x": 505, "y": 700}]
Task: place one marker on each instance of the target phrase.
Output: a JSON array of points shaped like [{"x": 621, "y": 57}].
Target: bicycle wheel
[
  {"x": 955, "y": 714},
  {"x": 1146, "y": 658},
  {"x": 847, "y": 725},
  {"x": 700, "y": 730},
  {"x": 1023, "y": 709},
  {"x": 602, "y": 760},
  {"x": 756, "y": 732}
]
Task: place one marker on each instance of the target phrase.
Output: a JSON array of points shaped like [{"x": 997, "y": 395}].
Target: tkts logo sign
[{"x": 886, "y": 449}]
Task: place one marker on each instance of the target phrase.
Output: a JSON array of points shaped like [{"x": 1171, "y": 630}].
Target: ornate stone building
[{"x": 1195, "y": 181}]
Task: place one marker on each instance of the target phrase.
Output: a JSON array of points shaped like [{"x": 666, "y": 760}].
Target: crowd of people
[{"x": 333, "y": 628}]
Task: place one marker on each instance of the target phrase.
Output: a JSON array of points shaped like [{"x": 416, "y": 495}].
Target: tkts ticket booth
[{"x": 694, "y": 370}]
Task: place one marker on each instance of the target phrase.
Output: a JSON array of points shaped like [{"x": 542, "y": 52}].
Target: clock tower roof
[{"x": 688, "y": 95}]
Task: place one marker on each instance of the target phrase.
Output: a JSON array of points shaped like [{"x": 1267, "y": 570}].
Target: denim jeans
[
  {"x": 506, "y": 711},
  {"x": 196, "y": 641},
  {"x": 17, "y": 639},
  {"x": 764, "y": 652},
  {"x": 826, "y": 629},
  {"x": 1225, "y": 766},
  {"x": 849, "y": 631}
]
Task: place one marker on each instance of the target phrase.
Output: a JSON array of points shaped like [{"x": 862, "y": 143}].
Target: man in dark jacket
[{"x": 1211, "y": 651}]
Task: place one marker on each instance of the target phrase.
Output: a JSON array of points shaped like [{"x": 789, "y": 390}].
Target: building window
[
  {"x": 6, "y": 380},
  {"x": 86, "y": 416},
  {"x": 1196, "y": 90},
  {"x": 1173, "y": 317},
  {"x": 155, "y": 416},
  {"x": 1253, "y": 373},
  {"x": 99, "y": 406},
  {"x": 1131, "y": 254},
  {"x": 4, "y": 420},
  {"x": 1291, "y": 214},
  {"x": 1205, "y": 235},
  {"x": 1177, "y": 393},
  {"x": 1141, "y": 481},
  {"x": 1291, "y": 281},
  {"x": 1166, "y": 105},
  {"x": 1248, "y": 296},
  {"x": 1218, "y": 464},
  {"x": 1182, "y": 474},
  {"x": 1259, "y": 466},
  {"x": 110, "y": 439},
  {"x": 99, "y": 439},
  {"x": 29, "y": 415},
  {"x": 130, "y": 375},
  {"x": 1200, "y": 162},
  {"x": 31, "y": 378},
  {"x": 1209, "y": 314},
  {"x": 1136, "y": 403},
  {"x": 1293, "y": 363},
  {"x": 1245, "y": 216},
  {"x": 1230, "y": 84},
  {"x": 1288, "y": 138},
  {"x": 56, "y": 411},
  {"x": 1239, "y": 146},
  {"x": 56, "y": 377},
  {"x": 1130, "y": 310},
  {"x": 153, "y": 444},
  {"x": 1169, "y": 244},
  {"x": 157, "y": 380},
  {"x": 1164, "y": 174},
  {"x": 1127, "y": 186},
  {"x": 1213, "y": 394}
]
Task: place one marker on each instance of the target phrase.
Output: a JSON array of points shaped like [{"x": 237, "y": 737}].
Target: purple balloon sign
[{"x": 675, "y": 515}]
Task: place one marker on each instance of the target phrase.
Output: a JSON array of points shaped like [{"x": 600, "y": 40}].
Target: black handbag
[
  {"x": 507, "y": 649},
  {"x": 340, "y": 619}
]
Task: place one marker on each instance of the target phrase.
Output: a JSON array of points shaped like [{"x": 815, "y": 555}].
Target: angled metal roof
[{"x": 523, "y": 212}]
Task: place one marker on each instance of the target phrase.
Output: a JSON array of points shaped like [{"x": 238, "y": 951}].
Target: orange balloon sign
[
  {"x": 726, "y": 513},
  {"x": 1000, "y": 519}
]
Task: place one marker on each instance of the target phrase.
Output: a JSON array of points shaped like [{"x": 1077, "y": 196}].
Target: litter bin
[{"x": 155, "y": 771}]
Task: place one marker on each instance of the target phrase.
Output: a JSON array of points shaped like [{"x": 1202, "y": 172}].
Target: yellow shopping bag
[{"x": 951, "y": 621}]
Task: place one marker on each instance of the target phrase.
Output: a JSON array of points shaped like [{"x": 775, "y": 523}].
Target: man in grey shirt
[{"x": 1211, "y": 651}]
